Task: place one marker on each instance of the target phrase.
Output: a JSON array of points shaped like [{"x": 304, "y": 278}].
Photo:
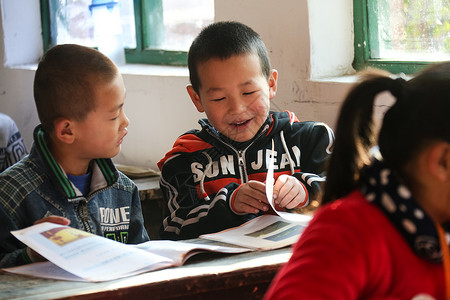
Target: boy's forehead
[
  {"x": 227, "y": 58},
  {"x": 213, "y": 67},
  {"x": 110, "y": 94}
]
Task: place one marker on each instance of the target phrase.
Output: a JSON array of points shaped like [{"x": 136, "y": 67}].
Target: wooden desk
[
  {"x": 152, "y": 204},
  {"x": 242, "y": 276}
]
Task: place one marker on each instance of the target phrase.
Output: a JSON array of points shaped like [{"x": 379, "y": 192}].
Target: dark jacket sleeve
[
  {"x": 13, "y": 252},
  {"x": 188, "y": 215},
  {"x": 315, "y": 140}
]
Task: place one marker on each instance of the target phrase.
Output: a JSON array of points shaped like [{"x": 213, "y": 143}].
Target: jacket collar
[{"x": 104, "y": 171}]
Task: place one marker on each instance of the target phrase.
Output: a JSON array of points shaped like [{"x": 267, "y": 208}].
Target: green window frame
[
  {"x": 362, "y": 45},
  {"x": 148, "y": 15}
]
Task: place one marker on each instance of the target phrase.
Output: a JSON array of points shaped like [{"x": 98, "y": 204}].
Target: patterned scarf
[{"x": 383, "y": 188}]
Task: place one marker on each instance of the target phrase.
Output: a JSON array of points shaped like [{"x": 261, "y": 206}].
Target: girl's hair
[{"x": 420, "y": 115}]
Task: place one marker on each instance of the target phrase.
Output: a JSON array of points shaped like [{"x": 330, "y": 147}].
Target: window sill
[
  {"x": 337, "y": 79},
  {"x": 133, "y": 69},
  {"x": 153, "y": 70},
  {"x": 174, "y": 71}
]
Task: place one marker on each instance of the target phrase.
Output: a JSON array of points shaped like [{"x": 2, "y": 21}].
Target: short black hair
[
  {"x": 65, "y": 82},
  {"x": 223, "y": 40}
]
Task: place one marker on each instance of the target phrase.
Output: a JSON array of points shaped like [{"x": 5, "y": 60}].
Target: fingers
[
  {"x": 259, "y": 190},
  {"x": 288, "y": 192},
  {"x": 54, "y": 219},
  {"x": 251, "y": 198},
  {"x": 250, "y": 207},
  {"x": 34, "y": 256}
]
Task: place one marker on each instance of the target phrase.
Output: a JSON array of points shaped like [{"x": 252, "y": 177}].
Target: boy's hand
[
  {"x": 54, "y": 219},
  {"x": 251, "y": 198},
  {"x": 33, "y": 255},
  {"x": 288, "y": 192}
]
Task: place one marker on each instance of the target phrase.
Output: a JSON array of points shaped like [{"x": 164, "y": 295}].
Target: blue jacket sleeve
[{"x": 137, "y": 232}]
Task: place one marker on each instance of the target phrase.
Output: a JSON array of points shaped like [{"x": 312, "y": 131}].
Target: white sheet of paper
[
  {"x": 291, "y": 217},
  {"x": 261, "y": 233},
  {"x": 85, "y": 255}
]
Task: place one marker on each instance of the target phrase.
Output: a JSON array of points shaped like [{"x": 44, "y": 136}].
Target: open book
[{"x": 80, "y": 256}]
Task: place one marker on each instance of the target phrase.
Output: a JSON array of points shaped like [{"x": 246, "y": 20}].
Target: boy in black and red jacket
[{"x": 213, "y": 178}]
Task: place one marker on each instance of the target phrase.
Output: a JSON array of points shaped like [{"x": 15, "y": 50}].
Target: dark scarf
[{"x": 384, "y": 189}]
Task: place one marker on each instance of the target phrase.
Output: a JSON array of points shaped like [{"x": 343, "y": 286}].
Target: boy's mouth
[
  {"x": 121, "y": 140},
  {"x": 240, "y": 123}
]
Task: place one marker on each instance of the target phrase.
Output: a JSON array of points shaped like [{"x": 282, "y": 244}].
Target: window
[
  {"x": 149, "y": 31},
  {"x": 401, "y": 35}
]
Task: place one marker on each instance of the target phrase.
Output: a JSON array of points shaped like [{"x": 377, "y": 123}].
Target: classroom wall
[{"x": 310, "y": 44}]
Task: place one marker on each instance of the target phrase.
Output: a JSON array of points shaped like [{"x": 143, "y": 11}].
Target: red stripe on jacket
[{"x": 186, "y": 143}]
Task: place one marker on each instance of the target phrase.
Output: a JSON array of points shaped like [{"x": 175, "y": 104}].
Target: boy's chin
[
  {"x": 112, "y": 154},
  {"x": 240, "y": 138}
]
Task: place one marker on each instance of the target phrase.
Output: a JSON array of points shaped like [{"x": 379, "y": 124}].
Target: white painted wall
[{"x": 309, "y": 41}]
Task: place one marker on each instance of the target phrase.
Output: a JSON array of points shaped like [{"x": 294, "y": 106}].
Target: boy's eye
[
  {"x": 249, "y": 93},
  {"x": 218, "y": 99}
]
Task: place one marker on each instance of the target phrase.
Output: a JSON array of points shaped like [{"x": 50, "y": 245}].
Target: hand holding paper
[
  {"x": 292, "y": 217},
  {"x": 250, "y": 198}
]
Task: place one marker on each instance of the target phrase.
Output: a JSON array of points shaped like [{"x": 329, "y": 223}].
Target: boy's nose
[
  {"x": 125, "y": 121},
  {"x": 237, "y": 106}
]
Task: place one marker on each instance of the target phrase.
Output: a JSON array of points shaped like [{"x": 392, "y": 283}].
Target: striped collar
[{"x": 105, "y": 165}]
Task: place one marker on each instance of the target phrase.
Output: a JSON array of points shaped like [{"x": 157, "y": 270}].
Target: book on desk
[{"x": 80, "y": 256}]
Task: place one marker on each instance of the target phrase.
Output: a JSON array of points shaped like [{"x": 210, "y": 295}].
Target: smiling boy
[
  {"x": 69, "y": 177},
  {"x": 213, "y": 178}
]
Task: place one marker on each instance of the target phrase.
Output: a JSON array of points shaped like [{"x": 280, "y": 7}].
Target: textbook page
[
  {"x": 181, "y": 251},
  {"x": 265, "y": 232},
  {"x": 177, "y": 251},
  {"x": 45, "y": 269},
  {"x": 80, "y": 256},
  {"x": 88, "y": 256}
]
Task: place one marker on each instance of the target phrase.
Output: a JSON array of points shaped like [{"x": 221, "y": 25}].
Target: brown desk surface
[{"x": 207, "y": 276}]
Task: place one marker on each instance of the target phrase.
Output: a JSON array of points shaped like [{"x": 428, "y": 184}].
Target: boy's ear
[
  {"x": 195, "y": 98},
  {"x": 438, "y": 161},
  {"x": 273, "y": 77},
  {"x": 64, "y": 130}
]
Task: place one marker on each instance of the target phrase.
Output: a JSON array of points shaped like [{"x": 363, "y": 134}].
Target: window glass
[
  {"x": 151, "y": 31},
  {"x": 411, "y": 30},
  {"x": 78, "y": 21},
  {"x": 183, "y": 21}
]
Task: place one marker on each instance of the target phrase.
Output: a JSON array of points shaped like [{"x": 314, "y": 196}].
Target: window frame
[
  {"x": 145, "y": 36},
  {"x": 362, "y": 46}
]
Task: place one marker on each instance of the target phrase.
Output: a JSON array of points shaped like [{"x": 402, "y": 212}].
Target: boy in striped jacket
[{"x": 213, "y": 178}]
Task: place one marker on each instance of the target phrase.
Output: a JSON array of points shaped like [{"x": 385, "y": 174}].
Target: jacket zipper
[
  {"x": 83, "y": 210},
  {"x": 240, "y": 153},
  {"x": 83, "y": 214}
]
